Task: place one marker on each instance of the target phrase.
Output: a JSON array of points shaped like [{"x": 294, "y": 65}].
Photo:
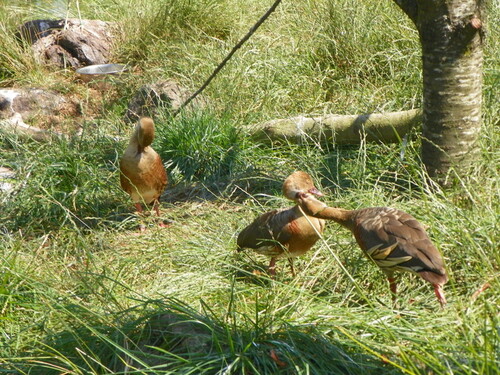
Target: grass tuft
[{"x": 200, "y": 146}]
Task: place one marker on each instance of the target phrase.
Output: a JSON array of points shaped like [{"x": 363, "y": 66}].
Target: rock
[
  {"x": 31, "y": 31},
  {"x": 174, "y": 333},
  {"x": 71, "y": 42},
  {"x": 18, "y": 106},
  {"x": 180, "y": 334},
  {"x": 33, "y": 103},
  {"x": 150, "y": 99},
  {"x": 7, "y": 176}
]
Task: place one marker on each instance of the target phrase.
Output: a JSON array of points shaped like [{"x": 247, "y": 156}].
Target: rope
[{"x": 228, "y": 57}]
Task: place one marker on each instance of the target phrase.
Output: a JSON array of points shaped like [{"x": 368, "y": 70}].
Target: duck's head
[
  {"x": 299, "y": 184},
  {"x": 145, "y": 131}
]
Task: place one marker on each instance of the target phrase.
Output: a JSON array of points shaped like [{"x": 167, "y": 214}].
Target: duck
[
  {"x": 393, "y": 239},
  {"x": 287, "y": 232},
  {"x": 142, "y": 174}
]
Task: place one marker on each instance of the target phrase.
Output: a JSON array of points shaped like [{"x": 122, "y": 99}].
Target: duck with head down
[
  {"x": 394, "y": 240},
  {"x": 284, "y": 232},
  {"x": 143, "y": 175}
]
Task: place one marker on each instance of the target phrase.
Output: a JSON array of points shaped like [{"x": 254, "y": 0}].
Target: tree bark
[
  {"x": 348, "y": 129},
  {"x": 451, "y": 35}
]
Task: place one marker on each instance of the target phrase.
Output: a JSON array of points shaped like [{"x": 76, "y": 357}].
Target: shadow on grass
[
  {"x": 396, "y": 166},
  {"x": 170, "y": 337},
  {"x": 244, "y": 268},
  {"x": 253, "y": 273}
]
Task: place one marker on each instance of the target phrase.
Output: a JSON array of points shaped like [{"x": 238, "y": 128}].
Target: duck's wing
[
  {"x": 128, "y": 172},
  {"x": 158, "y": 175},
  {"x": 394, "y": 239},
  {"x": 267, "y": 234}
]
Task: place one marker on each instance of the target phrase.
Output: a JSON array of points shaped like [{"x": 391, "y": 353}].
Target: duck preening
[
  {"x": 284, "y": 232},
  {"x": 143, "y": 175},
  {"x": 393, "y": 239}
]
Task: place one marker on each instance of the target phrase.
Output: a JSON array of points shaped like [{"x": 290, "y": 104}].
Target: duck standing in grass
[
  {"x": 143, "y": 175},
  {"x": 284, "y": 232},
  {"x": 393, "y": 239}
]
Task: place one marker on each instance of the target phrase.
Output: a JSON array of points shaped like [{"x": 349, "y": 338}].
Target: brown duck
[
  {"x": 284, "y": 232},
  {"x": 143, "y": 175},
  {"x": 393, "y": 239}
]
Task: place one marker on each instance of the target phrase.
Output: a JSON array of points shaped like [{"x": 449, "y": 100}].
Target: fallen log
[{"x": 339, "y": 129}]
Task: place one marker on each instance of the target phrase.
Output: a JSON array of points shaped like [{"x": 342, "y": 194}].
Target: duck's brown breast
[
  {"x": 143, "y": 175},
  {"x": 305, "y": 232}
]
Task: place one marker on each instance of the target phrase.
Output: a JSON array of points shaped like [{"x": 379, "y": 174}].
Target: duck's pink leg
[
  {"x": 438, "y": 290},
  {"x": 393, "y": 286},
  {"x": 272, "y": 267},
  {"x": 156, "y": 207},
  {"x": 139, "y": 209},
  {"x": 290, "y": 260}
]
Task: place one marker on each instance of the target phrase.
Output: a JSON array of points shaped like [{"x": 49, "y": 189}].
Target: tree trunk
[
  {"x": 452, "y": 55},
  {"x": 347, "y": 129}
]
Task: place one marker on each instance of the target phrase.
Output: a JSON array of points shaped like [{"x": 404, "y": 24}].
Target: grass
[
  {"x": 81, "y": 294},
  {"x": 200, "y": 146}
]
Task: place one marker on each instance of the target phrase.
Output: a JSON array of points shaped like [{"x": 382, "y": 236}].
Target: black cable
[{"x": 228, "y": 57}]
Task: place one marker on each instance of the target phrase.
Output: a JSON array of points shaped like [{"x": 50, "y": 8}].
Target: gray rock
[
  {"x": 162, "y": 95},
  {"x": 33, "y": 103},
  {"x": 69, "y": 43},
  {"x": 7, "y": 176},
  {"x": 18, "y": 107},
  {"x": 173, "y": 333}
]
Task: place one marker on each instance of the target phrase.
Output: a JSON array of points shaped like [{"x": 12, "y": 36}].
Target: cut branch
[
  {"x": 347, "y": 129},
  {"x": 17, "y": 125}
]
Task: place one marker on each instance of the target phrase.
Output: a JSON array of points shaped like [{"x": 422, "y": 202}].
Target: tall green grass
[
  {"x": 200, "y": 146},
  {"x": 61, "y": 183},
  {"x": 80, "y": 293}
]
